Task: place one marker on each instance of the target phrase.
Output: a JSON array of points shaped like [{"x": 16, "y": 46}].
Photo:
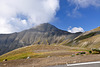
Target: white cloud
[
  {"x": 74, "y": 13},
  {"x": 85, "y": 3},
  {"x": 82, "y": 4},
  {"x": 75, "y": 29},
  {"x": 33, "y": 12}
]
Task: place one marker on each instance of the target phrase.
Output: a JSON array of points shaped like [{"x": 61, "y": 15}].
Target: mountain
[
  {"x": 89, "y": 39},
  {"x": 43, "y": 34}
]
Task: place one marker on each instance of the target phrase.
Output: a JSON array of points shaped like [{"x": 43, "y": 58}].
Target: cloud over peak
[{"x": 17, "y": 15}]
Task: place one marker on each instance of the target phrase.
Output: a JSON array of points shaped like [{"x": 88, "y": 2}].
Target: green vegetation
[
  {"x": 23, "y": 53},
  {"x": 21, "y": 56},
  {"x": 96, "y": 50},
  {"x": 90, "y": 52},
  {"x": 40, "y": 51},
  {"x": 86, "y": 36},
  {"x": 81, "y": 53}
]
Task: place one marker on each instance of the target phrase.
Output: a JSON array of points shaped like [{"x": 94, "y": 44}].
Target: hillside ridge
[{"x": 42, "y": 34}]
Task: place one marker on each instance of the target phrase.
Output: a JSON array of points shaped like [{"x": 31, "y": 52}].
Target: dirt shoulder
[{"x": 42, "y": 62}]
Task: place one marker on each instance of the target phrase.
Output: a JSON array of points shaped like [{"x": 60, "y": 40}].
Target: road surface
[{"x": 88, "y": 64}]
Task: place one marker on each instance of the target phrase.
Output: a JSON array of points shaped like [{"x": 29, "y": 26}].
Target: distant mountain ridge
[
  {"x": 42, "y": 34},
  {"x": 89, "y": 39}
]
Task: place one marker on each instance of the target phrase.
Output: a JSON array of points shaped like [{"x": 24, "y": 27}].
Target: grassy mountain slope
[
  {"x": 40, "y": 51},
  {"x": 90, "y": 39}
]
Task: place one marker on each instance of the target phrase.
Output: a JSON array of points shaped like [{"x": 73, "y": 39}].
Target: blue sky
[
  {"x": 88, "y": 19},
  {"x": 70, "y": 15}
]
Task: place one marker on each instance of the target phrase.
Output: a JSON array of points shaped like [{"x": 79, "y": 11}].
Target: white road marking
[{"x": 83, "y": 63}]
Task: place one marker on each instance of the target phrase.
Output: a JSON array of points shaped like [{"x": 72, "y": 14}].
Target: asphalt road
[
  {"x": 89, "y": 65},
  {"x": 79, "y": 65}
]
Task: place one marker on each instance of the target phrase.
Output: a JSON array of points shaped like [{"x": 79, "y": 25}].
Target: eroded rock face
[{"x": 42, "y": 34}]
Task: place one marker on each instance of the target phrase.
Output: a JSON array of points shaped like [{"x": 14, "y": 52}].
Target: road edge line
[{"x": 86, "y": 63}]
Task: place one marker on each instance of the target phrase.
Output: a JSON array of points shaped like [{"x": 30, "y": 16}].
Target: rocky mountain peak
[{"x": 46, "y": 27}]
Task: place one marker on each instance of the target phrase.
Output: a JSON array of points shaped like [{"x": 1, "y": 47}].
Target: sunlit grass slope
[{"x": 40, "y": 51}]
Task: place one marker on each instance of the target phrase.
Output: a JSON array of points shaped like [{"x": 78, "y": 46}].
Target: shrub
[
  {"x": 90, "y": 52},
  {"x": 77, "y": 54},
  {"x": 80, "y": 53},
  {"x": 96, "y": 50}
]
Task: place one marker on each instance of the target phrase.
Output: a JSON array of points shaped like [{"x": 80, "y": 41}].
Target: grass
[
  {"x": 20, "y": 56},
  {"x": 39, "y": 51},
  {"x": 86, "y": 36},
  {"x": 96, "y": 29},
  {"x": 91, "y": 42},
  {"x": 23, "y": 53}
]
